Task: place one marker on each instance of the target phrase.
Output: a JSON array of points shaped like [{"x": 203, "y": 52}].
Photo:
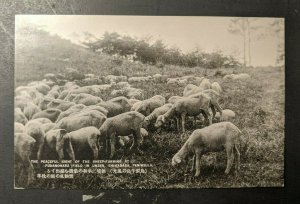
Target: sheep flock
[{"x": 74, "y": 116}]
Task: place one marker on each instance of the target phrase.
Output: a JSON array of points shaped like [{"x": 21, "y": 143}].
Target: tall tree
[{"x": 238, "y": 26}]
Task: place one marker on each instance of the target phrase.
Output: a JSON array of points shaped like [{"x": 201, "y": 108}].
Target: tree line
[{"x": 156, "y": 52}]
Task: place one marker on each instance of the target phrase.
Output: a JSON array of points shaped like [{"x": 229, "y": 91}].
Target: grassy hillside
[{"x": 38, "y": 53}]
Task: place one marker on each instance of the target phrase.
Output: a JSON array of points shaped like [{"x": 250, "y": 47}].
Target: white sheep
[
  {"x": 214, "y": 138},
  {"x": 157, "y": 112},
  {"x": 122, "y": 125},
  {"x": 148, "y": 105},
  {"x": 227, "y": 115},
  {"x": 30, "y": 109},
  {"x": 188, "y": 106},
  {"x": 20, "y": 117}
]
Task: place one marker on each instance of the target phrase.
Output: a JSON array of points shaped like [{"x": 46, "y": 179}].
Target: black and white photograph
[{"x": 148, "y": 102}]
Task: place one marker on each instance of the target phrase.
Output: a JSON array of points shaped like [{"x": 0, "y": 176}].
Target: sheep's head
[
  {"x": 176, "y": 160},
  {"x": 160, "y": 121}
]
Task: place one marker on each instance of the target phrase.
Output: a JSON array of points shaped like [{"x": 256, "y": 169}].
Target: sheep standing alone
[
  {"x": 122, "y": 125},
  {"x": 213, "y": 138}
]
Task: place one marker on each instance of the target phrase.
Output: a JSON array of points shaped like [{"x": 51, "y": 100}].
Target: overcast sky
[{"x": 208, "y": 33}]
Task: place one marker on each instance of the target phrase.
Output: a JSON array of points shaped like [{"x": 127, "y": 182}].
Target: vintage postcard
[{"x": 148, "y": 102}]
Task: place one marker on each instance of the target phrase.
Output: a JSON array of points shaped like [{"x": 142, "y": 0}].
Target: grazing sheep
[
  {"x": 216, "y": 87},
  {"x": 60, "y": 104},
  {"x": 116, "y": 106},
  {"x": 30, "y": 110},
  {"x": 48, "y": 126},
  {"x": 23, "y": 147},
  {"x": 134, "y": 93},
  {"x": 124, "y": 140},
  {"x": 173, "y": 99},
  {"x": 214, "y": 96},
  {"x": 122, "y": 125},
  {"x": 57, "y": 141},
  {"x": 74, "y": 109},
  {"x": 175, "y": 82},
  {"x": 85, "y": 142},
  {"x": 157, "y": 112},
  {"x": 80, "y": 120},
  {"x": 242, "y": 76},
  {"x": 188, "y": 106},
  {"x": 20, "y": 117},
  {"x": 19, "y": 127},
  {"x": 214, "y": 138},
  {"x": 51, "y": 113},
  {"x": 87, "y": 99},
  {"x": 35, "y": 130},
  {"x": 43, "y": 103},
  {"x": 54, "y": 94},
  {"x": 132, "y": 101},
  {"x": 42, "y": 88},
  {"x": 148, "y": 105},
  {"x": 136, "y": 105},
  {"x": 227, "y": 115}
]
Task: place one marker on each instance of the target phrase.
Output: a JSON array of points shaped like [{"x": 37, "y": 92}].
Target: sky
[{"x": 185, "y": 32}]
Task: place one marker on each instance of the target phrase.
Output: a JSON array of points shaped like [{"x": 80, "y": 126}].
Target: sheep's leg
[
  {"x": 70, "y": 151},
  {"x": 137, "y": 140},
  {"x": 112, "y": 145},
  {"x": 215, "y": 162},
  {"x": 94, "y": 147},
  {"x": 198, "y": 160},
  {"x": 40, "y": 152},
  {"x": 177, "y": 124},
  {"x": 230, "y": 158},
  {"x": 219, "y": 109},
  {"x": 183, "y": 115},
  {"x": 193, "y": 163},
  {"x": 237, "y": 158},
  {"x": 213, "y": 111},
  {"x": 195, "y": 121},
  {"x": 208, "y": 117},
  {"x": 30, "y": 172}
]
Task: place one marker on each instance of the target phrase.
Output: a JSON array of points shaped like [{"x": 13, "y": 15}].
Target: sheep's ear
[{"x": 163, "y": 119}]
